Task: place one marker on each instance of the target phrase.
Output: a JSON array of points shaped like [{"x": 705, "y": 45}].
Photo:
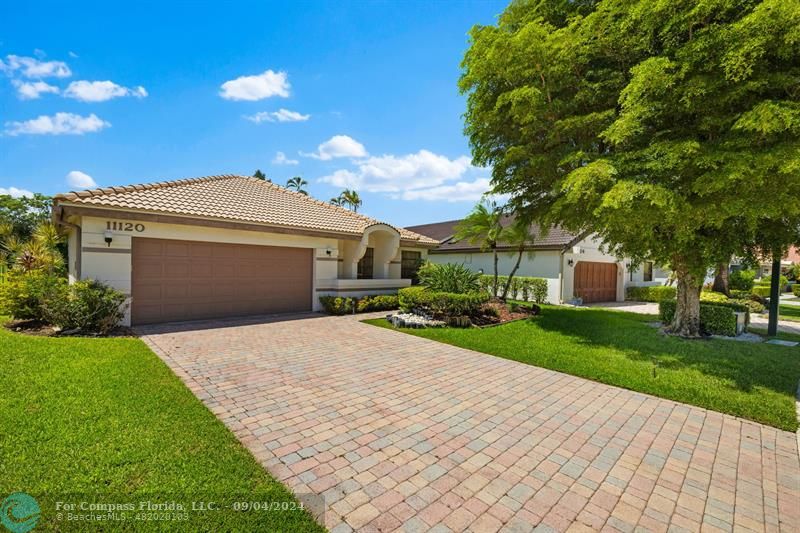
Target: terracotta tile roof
[
  {"x": 444, "y": 232},
  {"x": 235, "y": 198}
]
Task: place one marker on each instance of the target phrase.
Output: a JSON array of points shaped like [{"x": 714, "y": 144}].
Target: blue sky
[{"x": 359, "y": 94}]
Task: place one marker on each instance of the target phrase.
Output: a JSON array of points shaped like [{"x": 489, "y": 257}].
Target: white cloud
[
  {"x": 281, "y": 159},
  {"x": 338, "y": 146},
  {"x": 80, "y": 180},
  {"x": 281, "y": 115},
  {"x": 73, "y": 54},
  {"x": 258, "y": 87},
  {"x": 15, "y": 193},
  {"x": 30, "y": 67},
  {"x": 100, "y": 91},
  {"x": 27, "y": 90},
  {"x": 420, "y": 176},
  {"x": 390, "y": 173},
  {"x": 58, "y": 124},
  {"x": 458, "y": 192}
]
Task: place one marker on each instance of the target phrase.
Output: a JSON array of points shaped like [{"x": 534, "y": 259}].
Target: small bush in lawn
[
  {"x": 89, "y": 306},
  {"x": 23, "y": 293},
  {"x": 448, "y": 277},
  {"x": 741, "y": 280},
  {"x": 655, "y": 293},
  {"x": 796, "y": 289}
]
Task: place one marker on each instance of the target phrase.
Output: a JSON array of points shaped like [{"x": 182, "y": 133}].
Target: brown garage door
[
  {"x": 188, "y": 280},
  {"x": 596, "y": 282}
]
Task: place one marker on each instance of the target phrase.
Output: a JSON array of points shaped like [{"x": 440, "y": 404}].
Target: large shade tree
[{"x": 670, "y": 128}]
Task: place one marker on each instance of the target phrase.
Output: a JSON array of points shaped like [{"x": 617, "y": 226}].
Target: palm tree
[
  {"x": 337, "y": 201},
  {"x": 351, "y": 198},
  {"x": 518, "y": 234},
  {"x": 40, "y": 252},
  {"x": 298, "y": 184},
  {"x": 483, "y": 227},
  {"x": 260, "y": 175}
]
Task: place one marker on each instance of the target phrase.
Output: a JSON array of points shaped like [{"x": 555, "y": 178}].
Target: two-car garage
[{"x": 174, "y": 280}]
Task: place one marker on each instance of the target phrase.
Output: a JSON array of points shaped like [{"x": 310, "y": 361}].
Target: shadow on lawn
[{"x": 745, "y": 364}]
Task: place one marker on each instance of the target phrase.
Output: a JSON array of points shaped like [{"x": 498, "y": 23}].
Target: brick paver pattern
[{"x": 402, "y": 433}]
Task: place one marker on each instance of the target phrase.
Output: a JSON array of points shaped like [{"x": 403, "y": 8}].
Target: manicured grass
[
  {"x": 754, "y": 381},
  {"x": 781, "y": 335},
  {"x": 789, "y": 312},
  {"x": 104, "y": 420}
]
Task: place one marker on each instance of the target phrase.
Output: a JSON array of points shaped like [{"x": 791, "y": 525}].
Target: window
[
  {"x": 648, "y": 271},
  {"x": 365, "y": 264},
  {"x": 409, "y": 264}
]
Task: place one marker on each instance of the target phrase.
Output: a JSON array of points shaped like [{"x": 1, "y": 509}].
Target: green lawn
[
  {"x": 754, "y": 381},
  {"x": 104, "y": 420},
  {"x": 789, "y": 312}
]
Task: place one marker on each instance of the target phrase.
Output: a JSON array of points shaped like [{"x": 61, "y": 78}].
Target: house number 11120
[{"x": 124, "y": 226}]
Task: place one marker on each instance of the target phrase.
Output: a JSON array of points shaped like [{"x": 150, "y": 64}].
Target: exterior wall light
[
  {"x": 108, "y": 237},
  {"x": 570, "y": 262}
]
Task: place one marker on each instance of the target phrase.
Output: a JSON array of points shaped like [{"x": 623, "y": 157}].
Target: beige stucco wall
[{"x": 112, "y": 264}]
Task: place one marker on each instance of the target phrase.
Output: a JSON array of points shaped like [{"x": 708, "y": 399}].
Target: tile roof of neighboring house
[
  {"x": 234, "y": 198},
  {"x": 793, "y": 255},
  {"x": 444, "y": 232}
]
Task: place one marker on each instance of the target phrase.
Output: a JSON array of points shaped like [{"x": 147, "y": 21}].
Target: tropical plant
[
  {"x": 43, "y": 251},
  {"x": 669, "y": 129},
  {"x": 448, "y": 277},
  {"x": 297, "y": 184},
  {"x": 260, "y": 175},
  {"x": 352, "y": 199},
  {"x": 337, "y": 201},
  {"x": 518, "y": 235},
  {"x": 483, "y": 227}
]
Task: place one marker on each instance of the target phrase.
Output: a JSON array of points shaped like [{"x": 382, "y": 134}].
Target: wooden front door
[{"x": 596, "y": 282}]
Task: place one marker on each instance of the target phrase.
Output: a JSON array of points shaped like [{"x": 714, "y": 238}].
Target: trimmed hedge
[
  {"x": 796, "y": 289},
  {"x": 715, "y": 319},
  {"x": 336, "y": 305},
  {"x": 441, "y": 304},
  {"x": 523, "y": 288},
  {"x": 654, "y": 293},
  {"x": 762, "y": 291}
]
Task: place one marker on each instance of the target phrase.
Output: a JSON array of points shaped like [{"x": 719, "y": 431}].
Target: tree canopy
[{"x": 671, "y": 129}]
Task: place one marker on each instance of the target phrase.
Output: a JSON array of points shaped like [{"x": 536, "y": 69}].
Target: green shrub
[
  {"x": 23, "y": 293},
  {"x": 337, "y": 305},
  {"x": 88, "y": 305},
  {"x": 714, "y": 319},
  {"x": 753, "y": 306},
  {"x": 448, "y": 277},
  {"x": 767, "y": 282},
  {"x": 377, "y": 302},
  {"x": 524, "y": 288},
  {"x": 796, "y": 289},
  {"x": 712, "y": 297},
  {"x": 741, "y": 280},
  {"x": 761, "y": 291},
  {"x": 655, "y": 293},
  {"x": 441, "y": 304}
]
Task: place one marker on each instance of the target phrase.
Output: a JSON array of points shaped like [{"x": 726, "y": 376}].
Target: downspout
[{"x": 58, "y": 218}]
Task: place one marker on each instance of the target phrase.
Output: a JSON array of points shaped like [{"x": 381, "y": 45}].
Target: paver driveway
[{"x": 399, "y": 432}]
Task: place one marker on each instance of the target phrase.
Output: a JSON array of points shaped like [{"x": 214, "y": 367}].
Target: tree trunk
[
  {"x": 494, "y": 250},
  {"x": 721, "y": 280},
  {"x": 686, "y": 322},
  {"x": 511, "y": 276},
  {"x": 774, "y": 296}
]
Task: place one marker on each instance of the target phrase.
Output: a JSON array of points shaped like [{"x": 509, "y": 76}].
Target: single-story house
[
  {"x": 573, "y": 265},
  {"x": 764, "y": 269},
  {"x": 223, "y": 246}
]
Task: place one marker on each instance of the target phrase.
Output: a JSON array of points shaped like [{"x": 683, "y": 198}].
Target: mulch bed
[
  {"x": 503, "y": 314},
  {"x": 40, "y": 329}
]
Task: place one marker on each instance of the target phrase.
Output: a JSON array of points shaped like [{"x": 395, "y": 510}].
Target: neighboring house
[
  {"x": 224, "y": 246},
  {"x": 764, "y": 269},
  {"x": 573, "y": 266}
]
